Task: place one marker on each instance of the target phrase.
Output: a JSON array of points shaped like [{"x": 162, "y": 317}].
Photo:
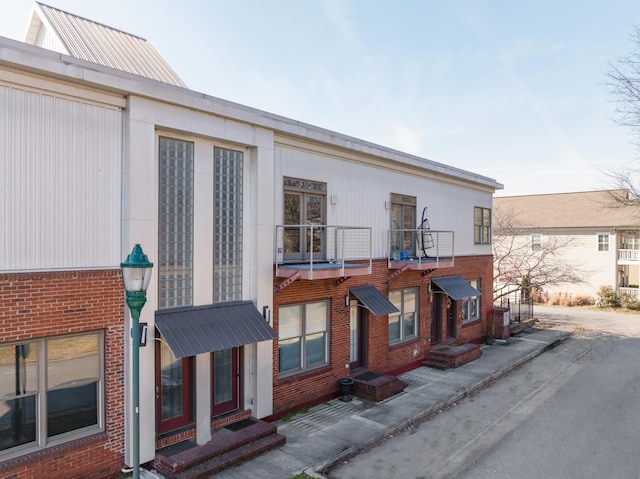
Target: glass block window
[
  {"x": 227, "y": 243},
  {"x": 175, "y": 224}
]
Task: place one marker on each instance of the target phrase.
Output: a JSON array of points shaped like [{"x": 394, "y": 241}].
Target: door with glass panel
[
  {"x": 225, "y": 372},
  {"x": 304, "y": 204},
  {"x": 173, "y": 389},
  {"x": 356, "y": 335},
  {"x": 403, "y": 221}
]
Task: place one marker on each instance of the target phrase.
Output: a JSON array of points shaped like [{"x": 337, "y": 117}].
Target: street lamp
[{"x": 136, "y": 274}]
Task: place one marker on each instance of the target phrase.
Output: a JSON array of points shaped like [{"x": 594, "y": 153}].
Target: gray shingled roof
[
  {"x": 591, "y": 209},
  {"x": 97, "y": 43}
]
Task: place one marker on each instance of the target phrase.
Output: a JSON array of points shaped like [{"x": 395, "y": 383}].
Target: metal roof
[
  {"x": 373, "y": 300},
  {"x": 98, "y": 43},
  {"x": 204, "y": 329},
  {"x": 455, "y": 287}
]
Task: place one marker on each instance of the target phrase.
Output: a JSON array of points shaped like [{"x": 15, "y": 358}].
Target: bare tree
[
  {"x": 520, "y": 268},
  {"x": 623, "y": 82}
]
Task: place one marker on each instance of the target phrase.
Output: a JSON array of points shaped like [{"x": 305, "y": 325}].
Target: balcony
[
  {"x": 322, "y": 251},
  {"x": 420, "y": 249},
  {"x": 631, "y": 292},
  {"x": 629, "y": 256}
]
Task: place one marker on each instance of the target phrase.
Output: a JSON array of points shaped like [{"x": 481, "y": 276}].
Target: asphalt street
[{"x": 568, "y": 413}]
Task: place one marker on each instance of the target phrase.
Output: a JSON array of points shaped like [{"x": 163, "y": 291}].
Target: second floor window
[
  {"x": 603, "y": 241},
  {"x": 481, "y": 225},
  {"x": 536, "y": 242}
]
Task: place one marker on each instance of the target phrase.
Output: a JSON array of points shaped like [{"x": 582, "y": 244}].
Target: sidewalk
[{"x": 330, "y": 432}]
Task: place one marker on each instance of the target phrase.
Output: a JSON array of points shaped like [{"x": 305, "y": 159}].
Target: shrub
[
  {"x": 555, "y": 300},
  {"x": 608, "y": 297},
  {"x": 628, "y": 301},
  {"x": 584, "y": 301}
]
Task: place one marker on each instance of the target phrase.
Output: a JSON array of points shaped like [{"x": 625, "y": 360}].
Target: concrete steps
[{"x": 229, "y": 446}]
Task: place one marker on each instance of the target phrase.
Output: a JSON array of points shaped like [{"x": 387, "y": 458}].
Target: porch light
[{"x": 136, "y": 274}]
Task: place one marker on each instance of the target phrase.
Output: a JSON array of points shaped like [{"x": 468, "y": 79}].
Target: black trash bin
[{"x": 345, "y": 388}]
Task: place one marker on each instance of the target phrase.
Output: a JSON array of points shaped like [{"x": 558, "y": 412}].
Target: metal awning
[
  {"x": 204, "y": 329},
  {"x": 455, "y": 287},
  {"x": 373, "y": 300}
]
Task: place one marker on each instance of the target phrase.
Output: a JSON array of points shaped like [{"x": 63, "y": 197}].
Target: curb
[{"x": 347, "y": 453}]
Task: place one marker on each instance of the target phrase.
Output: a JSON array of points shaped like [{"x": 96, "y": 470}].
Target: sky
[{"x": 512, "y": 90}]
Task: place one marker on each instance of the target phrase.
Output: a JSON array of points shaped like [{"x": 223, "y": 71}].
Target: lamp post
[{"x": 136, "y": 274}]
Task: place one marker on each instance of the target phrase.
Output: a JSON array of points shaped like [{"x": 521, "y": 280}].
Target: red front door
[{"x": 173, "y": 389}]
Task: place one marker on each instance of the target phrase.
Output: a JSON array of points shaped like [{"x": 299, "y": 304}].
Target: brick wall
[
  {"x": 313, "y": 387},
  {"x": 44, "y": 304}
]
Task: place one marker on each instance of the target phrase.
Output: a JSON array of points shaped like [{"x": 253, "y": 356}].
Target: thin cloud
[{"x": 337, "y": 13}]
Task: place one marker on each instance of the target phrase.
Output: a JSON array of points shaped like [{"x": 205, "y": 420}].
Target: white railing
[
  {"x": 629, "y": 255},
  {"x": 633, "y": 292},
  {"x": 421, "y": 246}
]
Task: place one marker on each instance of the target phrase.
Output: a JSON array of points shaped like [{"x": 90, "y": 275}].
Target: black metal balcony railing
[
  {"x": 420, "y": 249},
  {"x": 322, "y": 251}
]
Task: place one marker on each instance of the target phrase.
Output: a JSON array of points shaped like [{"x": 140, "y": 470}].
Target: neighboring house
[
  {"x": 602, "y": 229},
  {"x": 286, "y": 257}
]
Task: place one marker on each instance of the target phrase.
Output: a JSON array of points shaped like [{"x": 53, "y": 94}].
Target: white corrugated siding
[
  {"x": 362, "y": 193},
  {"x": 60, "y": 166}
]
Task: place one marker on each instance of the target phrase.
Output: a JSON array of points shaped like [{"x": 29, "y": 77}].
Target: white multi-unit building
[{"x": 597, "y": 233}]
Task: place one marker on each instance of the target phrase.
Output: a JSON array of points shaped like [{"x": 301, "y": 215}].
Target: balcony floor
[
  {"x": 323, "y": 270},
  {"x": 421, "y": 263}
]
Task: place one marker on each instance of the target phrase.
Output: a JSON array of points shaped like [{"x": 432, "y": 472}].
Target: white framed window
[
  {"x": 403, "y": 326},
  {"x": 302, "y": 337},
  {"x": 52, "y": 390},
  {"x": 603, "y": 241},
  {"x": 536, "y": 242},
  {"x": 471, "y": 306},
  {"x": 481, "y": 225}
]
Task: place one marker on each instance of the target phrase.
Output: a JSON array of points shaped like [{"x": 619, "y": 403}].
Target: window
[
  {"x": 403, "y": 223},
  {"x": 51, "y": 391},
  {"x": 302, "y": 337},
  {"x": 482, "y": 225},
  {"x": 304, "y": 204},
  {"x": 227, "y": 244},
  {"x": 536, "y": 242},
  {"x": 471, "y": 306},
  {"x": 175, "y": 224},
  {"x": 404, "y": 325},
  {"x": 603, "y": 241}
]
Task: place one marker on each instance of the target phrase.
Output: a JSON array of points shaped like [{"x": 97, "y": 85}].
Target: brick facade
[
  {"x": 45, "y": 304},
  {"x": 312, "y": 387}
]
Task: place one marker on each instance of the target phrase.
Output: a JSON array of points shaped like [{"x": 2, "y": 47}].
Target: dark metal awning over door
[
  {"x": 373, "y": 300},
  {"x": 455, "y": 287},
  {"x": 204, "y": 329}
]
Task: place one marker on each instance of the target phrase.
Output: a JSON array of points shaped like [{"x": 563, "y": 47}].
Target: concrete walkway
[{"x": 331, "y": 432}]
